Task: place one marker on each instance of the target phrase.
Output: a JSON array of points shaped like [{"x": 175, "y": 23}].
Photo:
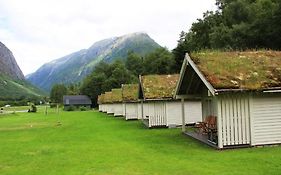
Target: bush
[
  {"x": 53, "y": 105},
  {"x": 33, "y": 108},
  {"x": 83, "y": 108},
  {"x": 69, "y": 108}
]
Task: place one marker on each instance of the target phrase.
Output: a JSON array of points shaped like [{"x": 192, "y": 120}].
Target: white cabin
[
  {"x": 160, "y": 109},
  {"x": 247, "y": 114}
]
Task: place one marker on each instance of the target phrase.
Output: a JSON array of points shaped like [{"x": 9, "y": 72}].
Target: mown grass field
[{"x": 94, "y": 143}]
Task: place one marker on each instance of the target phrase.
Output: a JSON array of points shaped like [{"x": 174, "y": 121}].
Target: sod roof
[
  {"x": 159, "y": 86},
  {"x": 130, "y": 92},
  {"x": 251, "y": 70},
  {"x": 107, "y": 97},
  {"x": 116, "y": 95},
  {"x": 101, "y": 99}
]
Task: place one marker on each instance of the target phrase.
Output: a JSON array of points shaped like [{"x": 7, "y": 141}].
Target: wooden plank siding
[
  {"x": 158, "y": 118},
  {"x": 131, "y": 111},
  {"x": 168, "y": 113},
  {"x": 118, "y": 109},
  {"x": 234, "y": 119},
  {"x": 139, "y": 116},
  {"x": 266, "y": 118},
  {"x": 110, "y": 109}
]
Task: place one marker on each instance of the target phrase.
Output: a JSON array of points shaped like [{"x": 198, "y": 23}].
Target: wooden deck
[
  {"x": 204, "y": 139},
  {"x": 201, "y": 137}
]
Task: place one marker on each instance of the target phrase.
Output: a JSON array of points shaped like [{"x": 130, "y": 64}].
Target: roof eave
[{"x": 183, "y": 68}]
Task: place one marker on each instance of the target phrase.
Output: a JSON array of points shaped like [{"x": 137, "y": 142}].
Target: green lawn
[{"x": 94, "y": 143}]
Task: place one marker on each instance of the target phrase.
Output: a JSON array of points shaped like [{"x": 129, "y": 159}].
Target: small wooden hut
[
  {"x": 77, "y": 101},
  {"x": 116, "y": 98},
  {"x": 108, "y": 103},
  {"x": 241, "y": 97},
  {"x": 131, "y": 107},
  {"x": 159, "y": 106}
]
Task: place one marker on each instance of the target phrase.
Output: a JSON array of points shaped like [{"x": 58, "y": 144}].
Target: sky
[{"x": 39, "y": 31}]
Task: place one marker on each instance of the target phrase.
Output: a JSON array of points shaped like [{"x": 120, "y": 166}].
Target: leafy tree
[
  {"x": 236, "y": 24},
  {"x": 160, "y": 61},
  {"x": 73, "y": 89},
  {"x": 106, "y": 77},
  {"x": 134, "y": 63},
  {"x": 57, "y": 93}
]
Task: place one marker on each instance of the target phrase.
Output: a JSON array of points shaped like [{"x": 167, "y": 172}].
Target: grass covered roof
[
  {"x": 130, "y": 92},
  {"x": 107, "y": 97},
  {"x": 250, "y": 70},
  {"x": 159, "y": 86},
  {"x": 101, "y": 98},
  {"x": 116, "y": 95}
]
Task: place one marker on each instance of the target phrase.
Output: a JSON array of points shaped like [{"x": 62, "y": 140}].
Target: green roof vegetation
[
  {"x": 250, "y": 70},
  {"x": 101, "y": 99},
  {"x": 116, "y": 95},
  {"x": 130, "y": 92},
  {"x": 159, "y": 86},
  {"x": 107, "y": 97}
]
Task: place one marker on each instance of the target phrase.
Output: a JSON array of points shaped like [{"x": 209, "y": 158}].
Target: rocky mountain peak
[{"x": 8, "y": 64}]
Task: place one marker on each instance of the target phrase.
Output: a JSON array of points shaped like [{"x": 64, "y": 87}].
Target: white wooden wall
[
  {"x": 193, "y": 111},
  {"x": 131, "y": 111},
  {"x": 148, "y": 109},
  {"x": 100, "y": 107},
  {"x": 209, "y": 107},
  {"x": 266, "y": 120},
  {"x": 159, "y": 116},
  {"x": 173, "y": 111},
  {"x": 234, "y": 111},
  {"x": 118, "y": 109},
  {"x": 124, "y": 109},
  {"x": 139, "y": 111},
  {"x": 104, "y": 107},
  {"x": 110, "y": 109}
]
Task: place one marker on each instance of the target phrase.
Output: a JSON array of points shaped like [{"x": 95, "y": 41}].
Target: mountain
[
  {"x": 12, "y": 82},
  {"x": 8, "y": 64},
  {"x": 74, "y": 67}
]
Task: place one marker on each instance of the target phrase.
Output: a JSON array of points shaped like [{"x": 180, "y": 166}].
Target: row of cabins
[
  {"x": 224, "y": 99},
  {"x": 152, "y": 100}
]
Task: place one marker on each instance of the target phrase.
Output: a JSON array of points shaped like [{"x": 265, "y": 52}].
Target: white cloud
[{"x": 39, "y": 31}]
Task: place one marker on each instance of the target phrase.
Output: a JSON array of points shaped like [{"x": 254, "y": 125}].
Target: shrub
[
  {"x": 33, "y": 108},
  {"x": 70, "y": 108},
  {"x": 53, "y": 105},
  {"x": 83, "y": 108}
]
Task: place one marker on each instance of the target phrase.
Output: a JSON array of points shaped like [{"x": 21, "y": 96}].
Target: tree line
[{"x": 235, "y": 25}]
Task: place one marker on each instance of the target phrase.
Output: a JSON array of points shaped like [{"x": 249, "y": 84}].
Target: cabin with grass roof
[
  {"x": 101, "y": 103},
  {"x": 240, "y": 94},
  {"x": 131, "y": 105},
  {"x": 108, "y": 105},
  {"x": 116, "y": 98},
  {"x": 160, "y": 109}
]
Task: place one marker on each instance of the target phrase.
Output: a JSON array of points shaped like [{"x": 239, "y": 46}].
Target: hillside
[
  {"x": 17, "y": 89},
  {"x": 12, "y": 82},
  {"x": 74, "y": 67}
]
